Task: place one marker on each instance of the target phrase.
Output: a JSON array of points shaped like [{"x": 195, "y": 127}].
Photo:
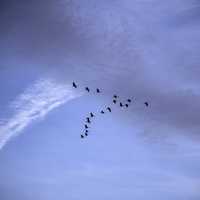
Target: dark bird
[
  {"x": 115, "y": 96},
  {"x": 86, "y": 131},
  {"x": 121, "y": 104},
  {"x": 74, "y": 85},
  {"x": 86, "y": 126},
  {"x": 98, "y": 91},
  {"x": 126, "y": 105},
  {"x": 87, "y": 89},
  {"x": 86, "y": 134},
  {"x": 109, "y": 109},
  {"x": 91, "y": 114},
  {"x": 129, "y": 100},
  {"x": 114, "y": 101},
  {"x": 88, "y": 120},
  {"x": 102, "y": 112},
  {"x": 146, "y": 103},
  {"x": 82, "y": 136}
]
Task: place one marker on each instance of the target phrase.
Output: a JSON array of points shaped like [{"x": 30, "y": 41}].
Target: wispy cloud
[{"x": 34, "y": 103}]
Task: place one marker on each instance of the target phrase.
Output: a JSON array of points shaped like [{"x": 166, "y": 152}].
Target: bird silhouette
[
  {"x": 91, "y": 114},
  {"x": 88, "y": 120},
  {"x": 146, "y": 103},
  {"x": 86, "y": 134},
  {"x": 86, "y": 131},
  {"x": 82, "y": 136},
  {"x": 87, "y": 89},
  {"x": 102, "y": 112},
  {"x": 98, "y": 91},
  {"x": 74, "y": 85},
  {"x": 129, "y": 100},
  {"x": 114, "y": 101},
  {"x": 115, "y": 96},
  {"x": 126, "y": 105},
  {"x": 120, "y": 104},
  {"x": 109, "y": 109},
  {"x": 86, "y": 126}
]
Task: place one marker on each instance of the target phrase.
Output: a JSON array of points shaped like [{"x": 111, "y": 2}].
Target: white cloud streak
[{"x": 34, "y": 103}]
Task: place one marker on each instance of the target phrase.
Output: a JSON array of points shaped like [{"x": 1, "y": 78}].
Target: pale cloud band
[{"x": 34, "y": 103}]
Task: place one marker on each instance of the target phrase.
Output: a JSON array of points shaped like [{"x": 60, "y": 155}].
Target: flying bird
[
  {"x": 91, "y": 114},
  {"x": 82, "y": 136},
  {"x": 146, "y": 103},
  {"x": 88, "y": 120},
  {"x": 86, "y": 131},
  {"x": 109, "y": 109},
  {"x": 86, "y": 126},
  {"x": 115, "y": 96},
  {"x": 102, "y": 112},
  {"x": 87, "y": 89},
  {"x": 120, "y": 104},
  {"x": 126, "y": 105},
  {"x": 74, "y": 85},
  {"x": 129, "y": 100},
  {"x": 114, "y": 101},
  {"x": 98, "y": 91},
  {"x": 86, "y": 134}
]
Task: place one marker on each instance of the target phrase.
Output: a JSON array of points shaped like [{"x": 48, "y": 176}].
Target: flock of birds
[{"x": 115, "y": 100}]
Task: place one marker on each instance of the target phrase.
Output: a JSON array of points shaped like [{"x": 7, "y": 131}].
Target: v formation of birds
[{"x": 115, "y": 101}]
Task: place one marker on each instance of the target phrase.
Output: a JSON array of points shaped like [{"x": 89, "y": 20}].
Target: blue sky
[{"x": 145, "y": 50}]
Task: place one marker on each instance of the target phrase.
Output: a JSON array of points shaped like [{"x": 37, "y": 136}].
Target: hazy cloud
[{"x": 36, "y": 102}]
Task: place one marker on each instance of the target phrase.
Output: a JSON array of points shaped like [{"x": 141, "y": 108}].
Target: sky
[{"x": 146, "y": 50}]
